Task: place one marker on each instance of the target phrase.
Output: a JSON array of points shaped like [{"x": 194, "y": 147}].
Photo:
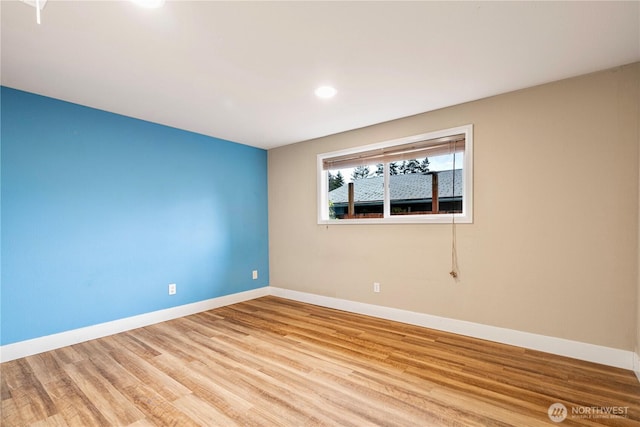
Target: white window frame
[{"x": 466, "y": 217}]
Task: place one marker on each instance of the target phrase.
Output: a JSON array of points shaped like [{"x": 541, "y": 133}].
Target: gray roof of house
[{"x": 402, "y": 187}]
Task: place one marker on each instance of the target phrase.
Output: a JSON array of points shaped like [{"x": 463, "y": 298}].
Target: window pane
[
  {"x": 368, "y": 192},
  {"x": 426, "y": 186}
]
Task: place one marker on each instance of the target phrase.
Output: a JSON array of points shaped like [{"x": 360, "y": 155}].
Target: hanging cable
[{"x": 454, "y": 248}]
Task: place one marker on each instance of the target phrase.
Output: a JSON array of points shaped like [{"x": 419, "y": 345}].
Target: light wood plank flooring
[{"x": 275, "y": 362}]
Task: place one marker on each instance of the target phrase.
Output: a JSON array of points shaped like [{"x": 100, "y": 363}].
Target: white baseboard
[
  {"x": 75, "y": 336},
  {"x": 575, "y": 349}
]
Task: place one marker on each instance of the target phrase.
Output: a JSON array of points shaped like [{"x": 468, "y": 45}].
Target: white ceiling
[{"x": 246, "y": 71}]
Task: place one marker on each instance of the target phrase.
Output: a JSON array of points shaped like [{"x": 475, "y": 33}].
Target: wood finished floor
[{"x": 275, "y": 362}]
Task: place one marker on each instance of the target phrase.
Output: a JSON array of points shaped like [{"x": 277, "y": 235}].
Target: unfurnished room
[{"x": 301, "y": 213}]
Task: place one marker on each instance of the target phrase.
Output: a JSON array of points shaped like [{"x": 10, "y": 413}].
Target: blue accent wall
[{"x": 100, "y": 212}]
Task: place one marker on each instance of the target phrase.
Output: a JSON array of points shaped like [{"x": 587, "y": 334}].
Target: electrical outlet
[
  {"x": 254, "y": 274},
  {"x": 376, "y": 287},
  {"x": 172, "y": 289}
]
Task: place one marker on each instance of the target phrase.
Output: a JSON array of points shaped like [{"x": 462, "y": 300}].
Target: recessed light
[
  {"x": 326, "y": 92},
  {"x": 149, "y": 4}
]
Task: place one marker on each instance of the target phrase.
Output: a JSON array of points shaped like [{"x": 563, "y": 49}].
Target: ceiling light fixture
[
  {"x": 149, "y": 4},
  {"x": 326, "y": 92},
  {"x": 38, "y": 4}
]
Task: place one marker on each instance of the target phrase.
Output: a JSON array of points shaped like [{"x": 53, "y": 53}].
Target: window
[{"x": 424, "y": 178}]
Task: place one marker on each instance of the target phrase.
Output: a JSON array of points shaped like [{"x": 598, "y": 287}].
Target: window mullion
[{"x": 387, "y": 192}]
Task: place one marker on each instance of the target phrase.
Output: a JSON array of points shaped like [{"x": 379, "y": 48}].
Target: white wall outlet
[
  {"x": 376, "y": 287},
  {"x": 172, "y": 289},
  {"x": 254, "y": 274}
]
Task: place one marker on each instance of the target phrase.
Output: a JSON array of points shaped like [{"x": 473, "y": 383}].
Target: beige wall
[{"x": 553, "y": 249}]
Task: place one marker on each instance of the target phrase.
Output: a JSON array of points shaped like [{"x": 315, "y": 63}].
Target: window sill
[{"x": 440, "y": 219}]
